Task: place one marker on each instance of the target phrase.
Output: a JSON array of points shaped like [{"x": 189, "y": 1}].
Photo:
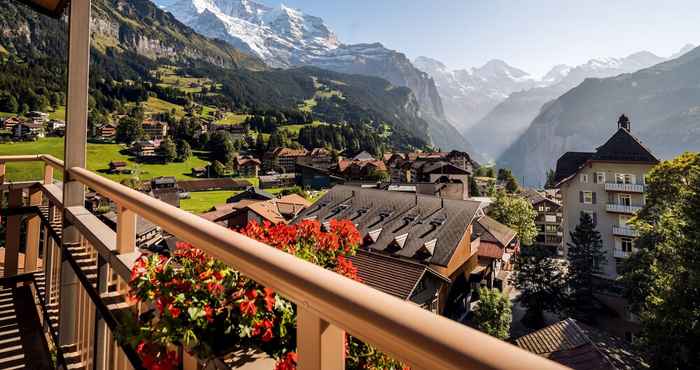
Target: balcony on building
[
  {"x": 619, "y": 253},
  {"x": 624, "y": 231},
  {"x": 622, "y": 208},
  {"x": 624, "y": 188}
]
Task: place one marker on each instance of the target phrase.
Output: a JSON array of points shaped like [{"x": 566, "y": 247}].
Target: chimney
[{"x": 624, "y": 123}]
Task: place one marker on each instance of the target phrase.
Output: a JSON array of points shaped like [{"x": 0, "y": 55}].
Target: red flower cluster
[
  {"x": 154, "y": 358},
  {"x": 288, "y": 362}
]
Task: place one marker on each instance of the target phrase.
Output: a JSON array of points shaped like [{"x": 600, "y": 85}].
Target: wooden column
[
  {"x": 12, "y": 233},
  {"x": 126, "y": 230},
  {"x": 48, "y": 174},
  {"x": 2, "y": 173},
  {"x": 33, "y": 233},
  {"x": 101, "y": 340},
  {"x": 74, "y": 153},
  {"x": 320, "y": 345}
]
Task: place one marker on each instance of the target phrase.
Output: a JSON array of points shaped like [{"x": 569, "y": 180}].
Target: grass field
[
  {"x": 201, "y": 202},
  {"x": 233, "y": 119},
  {"x": 98, "y": 157}
]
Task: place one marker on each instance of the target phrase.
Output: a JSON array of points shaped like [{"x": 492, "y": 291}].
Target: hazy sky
[{"x": 530, "y": 34}]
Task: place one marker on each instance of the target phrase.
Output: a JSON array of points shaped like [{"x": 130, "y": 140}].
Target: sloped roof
[
  {"x": 581, "y": 347},
  {"x": 491, "y": 230},
  {"x": 535, "y": 197},
  {"x": 396, "y": 276},
  {"x": 490, "y": 250},
  {"x": 621, "y": 147},
  {"x": 289, "y": 152},
  {"x": 363, "y": 156},
  {"x": 418, "y": 220},
  {"x": 442, "y": 167}
]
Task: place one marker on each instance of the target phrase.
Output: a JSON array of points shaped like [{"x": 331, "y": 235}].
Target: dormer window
[
  {"x": 373, "y": 235},
  {"x": 426, "y": 250},
  {"x": 398, "y": 243}
]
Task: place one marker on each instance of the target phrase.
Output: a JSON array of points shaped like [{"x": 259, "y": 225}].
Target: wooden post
[
  {"x": 126, "y": 230},
  {"x": 33, "y": 233},
  {"x": 101, "y": 342},
  {"x": 48, "y": 174},
  {"x": 74, "y": 153},
  {"x": 12, "y": 233},
  {"x": 2, "y": 173},
  {"x": 320, "y": 345}
]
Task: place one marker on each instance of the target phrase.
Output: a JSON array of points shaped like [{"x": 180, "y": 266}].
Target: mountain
[
  {"x": 495, "y": 132},
  {"x": 132, "y": 41},
  {"x": 285, "y": 37},
  {"x": 469, "y": 94},
  {"x": 663, "y": 102}
]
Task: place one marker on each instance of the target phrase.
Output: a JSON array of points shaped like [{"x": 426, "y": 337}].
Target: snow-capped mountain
[
  {"x": 284, "y": 37},
  {"x": 469, "y": 94}
]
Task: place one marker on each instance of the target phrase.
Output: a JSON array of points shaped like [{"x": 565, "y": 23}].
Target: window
[
  {"x": 584, "y": 178},
  {"x": 541, "y": 208},
  {"x": 625, "y": 199},
  {"x": 550, "y": 218},
  {"x": 626, "y": 244},
  {"x": 600, "y": 177},
  {"x": 587, "y": 197},
  {"x": 624, "y": 178},
  {"x": 551, "y": 228}
]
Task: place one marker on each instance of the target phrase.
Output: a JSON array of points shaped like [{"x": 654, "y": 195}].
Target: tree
[
  {"x": 129, "y": 130},
  {"x": 541, "y": 281},
  {"x": 493, "y": 315},
  {"x": 586, "y": 256},
  {"x": 517, "y": 213},
  {"x": 221, "y": 147},
  {"x": 8, "y": 103},
  {"x": 506, "y": 177},
  {"x": 260, "y": 146},
  {"x": 217, "y": 169},
  {"x": 473, "y": 187},
  {"x": 662, "y": 279},
  {"x": 167, "y": 150},
  {"x": 184, "y": 151},
  {"x": 549, "y": 184}
]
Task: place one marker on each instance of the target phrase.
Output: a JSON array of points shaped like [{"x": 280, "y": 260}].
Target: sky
[{"x": 533, "y": 35}]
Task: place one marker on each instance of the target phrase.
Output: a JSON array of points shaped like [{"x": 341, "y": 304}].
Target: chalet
[
  {"x": 56, "y": 127},
  {"x": 320, "y": 158},
  {"x": 10, "y": 122},
  {"x": 274, "y": 211},
  {"x": 116, "y": 167},
  {"x": 581, "y": 347},
  {"x": 282, "y": 159},
  {"x": 39, "y": 117},
  {"x": 311, "y": 177},
  {"x": 548, "y": 220},
  {"x": 27, "y": 130},
  {"x": 279, "y": 180},
  {"x": 361, "y": 169},
  {"x": 433, "y": 232},
  {"x": 498, "y": 244},
  {"x": 155, "y": 129},
  {"x": 251, "y": 193},
  {"x": 246, "y": 166},
  {"x": 363, "y": 156},
  {"x": 145, "y": 148},
  {"x": 199, "y": 172},
  {"x": 107, "y": 131}
]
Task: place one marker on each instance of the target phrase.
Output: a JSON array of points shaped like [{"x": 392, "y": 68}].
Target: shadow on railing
[{"x": 329, "y": 303}]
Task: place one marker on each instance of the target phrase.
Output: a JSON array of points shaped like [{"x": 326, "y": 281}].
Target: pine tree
[
  {"x": 586, "y": 256},
  {"x": 217, "y": 169},
  {"x": 540, "y": 278},
  {"x": 550, "y": 179},
  {"x": 184, "y": 151},
  {"x": 167, "y": 150},
  {"x": 129, "y": 130},
  {"x": 493, "y": 315}
]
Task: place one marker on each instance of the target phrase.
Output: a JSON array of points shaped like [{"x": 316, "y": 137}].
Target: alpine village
[{"x": 222, "y": 184}]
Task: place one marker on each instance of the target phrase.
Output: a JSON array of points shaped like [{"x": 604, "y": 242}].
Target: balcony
[
  {"x": 621, "y": 208},
  {"x": 624, "y": 188},
  {"x": 75, "y": 246},
  {"x": 619, "y": 253},
  {"x": 625, "y": 231}
]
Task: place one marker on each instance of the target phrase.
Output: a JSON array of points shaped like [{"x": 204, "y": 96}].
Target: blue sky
[{"x": 530, "y": 34}]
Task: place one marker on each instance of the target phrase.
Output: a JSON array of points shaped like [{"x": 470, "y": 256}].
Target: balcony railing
[
  {"x": 87, "y": 265},
  {"x": 626, "y": 188},
  {"x": 621, "y": 208},
  {"x": 619, "y": 253},
  {"x": 625, "y": 231}
]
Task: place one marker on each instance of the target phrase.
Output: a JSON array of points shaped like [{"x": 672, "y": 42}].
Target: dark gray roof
[
  {"x": 493, "y": 231},
  {"x": 250, "y": 193},
  {"x": 403, "y": 224},
  {"x": 396, "y": 276},
  {"x": 621, "y": 147},
  {"x": 442, "y": 167}
]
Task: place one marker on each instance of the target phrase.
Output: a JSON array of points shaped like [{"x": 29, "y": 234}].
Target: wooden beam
[
  {"x": 126, "y": 230},
  {"x": 12, "y": 237},
  {"x": 33, "y": 232},
  {"x": 320, "y": 345}
]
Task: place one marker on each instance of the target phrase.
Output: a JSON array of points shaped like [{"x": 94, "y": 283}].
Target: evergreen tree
[
  {"x": 549, "y": 184},
  {"x": 662, "y": 278},
  {"x": 167, "y": 150},
  {"x": 540, "y": 278},
  {"x": 184, "y": 151},
  {"x": 493, "y": 315},
  {"x": 129, "y": 130},
  {"x": 517, "y": 213},
  {"x": 221, "y": 147},
  {"x": 586, "y": 256},
  {"x": 260, "y": 146},
  {"x": 8, "y": 103},
  {"x": 217, "y": 169},
  {"x": 473, "y": 187}
]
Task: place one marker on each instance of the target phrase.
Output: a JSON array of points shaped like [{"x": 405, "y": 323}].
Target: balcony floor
[{"x": 22, "y": 341}]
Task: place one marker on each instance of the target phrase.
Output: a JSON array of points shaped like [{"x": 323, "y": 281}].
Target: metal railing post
[
  {"x": 74, "y": 153},
  {"x": 320, "y": 345}
]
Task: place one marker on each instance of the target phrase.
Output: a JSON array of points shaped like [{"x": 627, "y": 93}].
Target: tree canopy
[
  {"x": 493, "y": 315},
  {"x": 517, "y": 213},
  {"x": 586, "y": 256},
  {"x": 662, "y": 280}
]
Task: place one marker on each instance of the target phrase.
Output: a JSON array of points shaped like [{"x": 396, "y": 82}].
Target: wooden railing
[{"x": 328, "y": 304}]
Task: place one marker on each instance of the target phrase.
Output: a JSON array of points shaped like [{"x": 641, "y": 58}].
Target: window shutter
[
  {"x": 595, "y": 178},
  {"x": 580, "y": 196},
  {"x": 595, "y": 218},
  {"x": 594, "y": 193}
]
